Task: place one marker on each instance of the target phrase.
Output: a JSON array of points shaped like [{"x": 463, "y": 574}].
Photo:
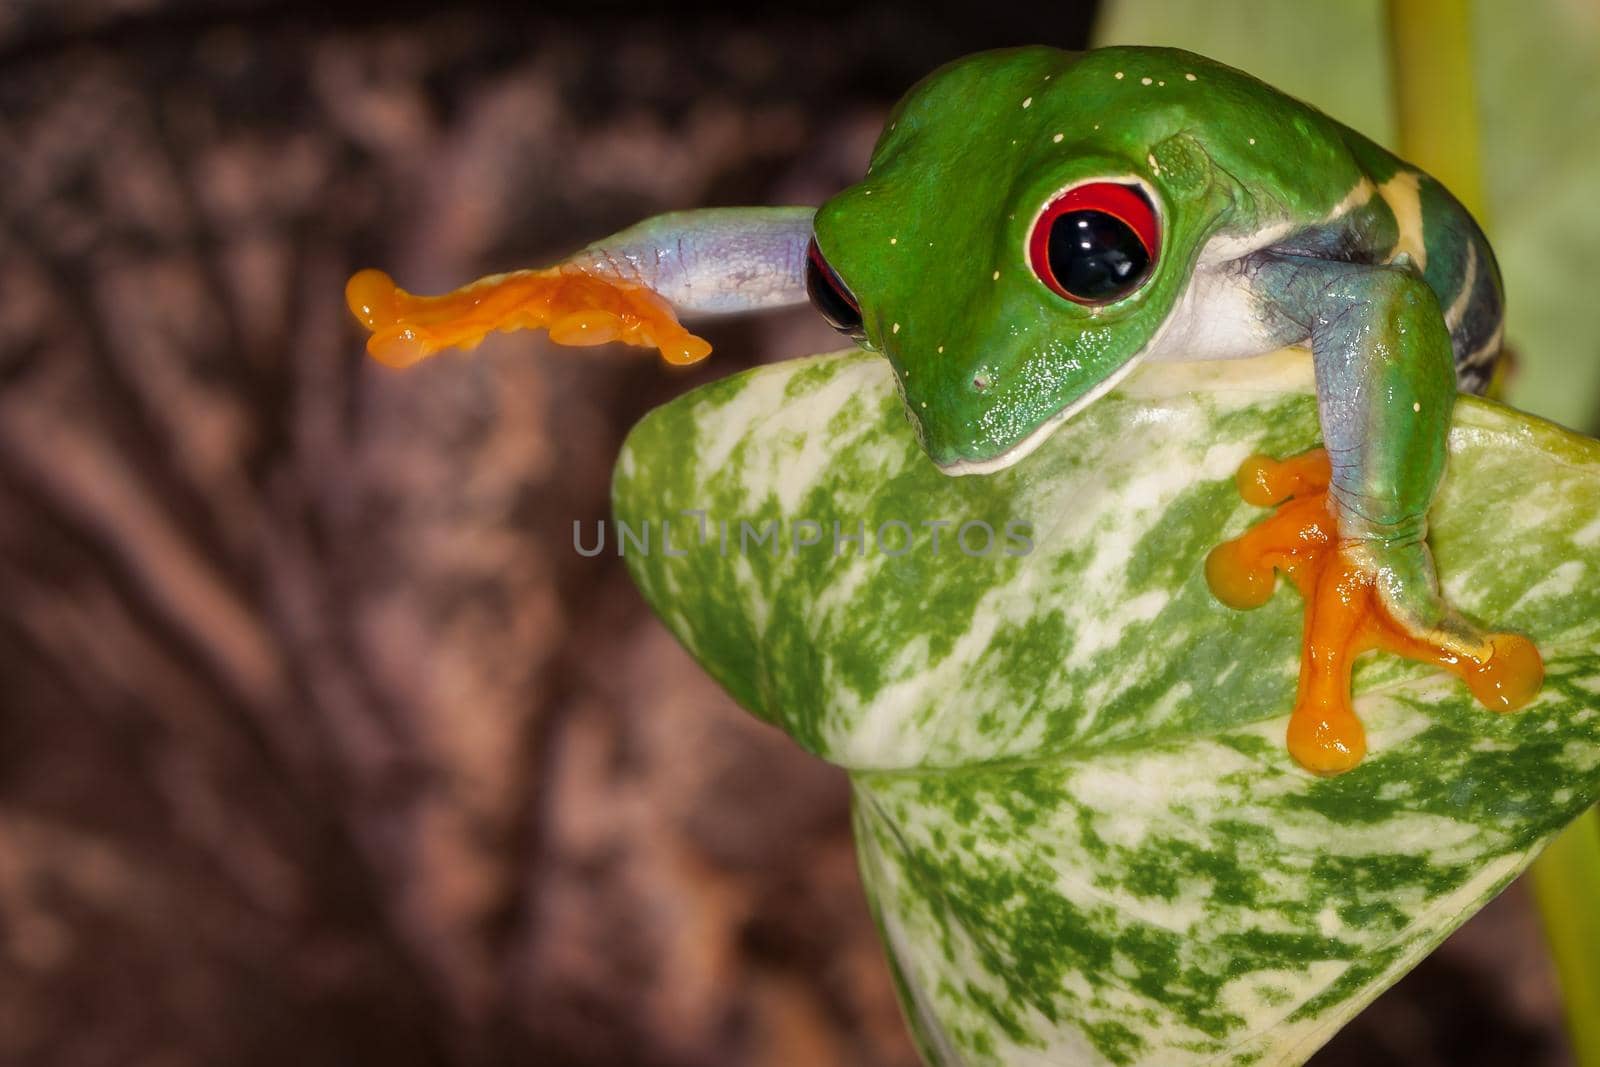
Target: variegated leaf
[{"x": 1083, "y": 837}]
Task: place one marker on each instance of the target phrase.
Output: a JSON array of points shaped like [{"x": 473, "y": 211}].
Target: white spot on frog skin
[
  {"x": 941, "y": 348},
  {"x": 1145, "y": 81},
  {"x": 1416, "y": 406},
  {"x": 1190, "y": 77},
  {"x": 1058, "y": 138},
  {"x": 867, "y": 192},
  {"x": 1252, "y": 140},
  {"x": 1161, "y": 83},
  {"x": 896, "y": 328},
  {"x": 996, "y": 275},
  {"x": 1028, "y": 102},
  {"x": 894, "y": 240},
  {"x": 1119, "y": 75},
  {"x": 1154, "y": 166}
]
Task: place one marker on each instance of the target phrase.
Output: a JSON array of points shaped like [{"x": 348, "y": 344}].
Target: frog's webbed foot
[
  {"x": 1360, "y": 593},
  {"x": 628, "y": 287},
  {"x": 577, "y": 306}
]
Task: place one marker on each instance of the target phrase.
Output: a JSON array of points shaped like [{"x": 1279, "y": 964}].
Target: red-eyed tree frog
[{"x": 1033, "y": 224}]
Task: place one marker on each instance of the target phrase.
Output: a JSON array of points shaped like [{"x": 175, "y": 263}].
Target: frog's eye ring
[
  {"x": 830, "y": 296},
  {"x": 1095, "y": 243}
]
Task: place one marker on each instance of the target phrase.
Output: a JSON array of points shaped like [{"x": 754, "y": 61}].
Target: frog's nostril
[{"x": 980, "y": 382}]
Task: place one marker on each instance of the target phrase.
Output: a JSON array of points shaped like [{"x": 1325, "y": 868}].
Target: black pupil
[
  {"x": 1096, "y": 256},
  {"x": 829, "y": 295}
]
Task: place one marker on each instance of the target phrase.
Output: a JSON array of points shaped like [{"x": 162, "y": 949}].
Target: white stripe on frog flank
[
  {"x": 1403, "y": 194},
  {"x": 1358, "y": 197},
  {"x": 1485, "y": 352},
  {"x": 1469, "y": 280}
]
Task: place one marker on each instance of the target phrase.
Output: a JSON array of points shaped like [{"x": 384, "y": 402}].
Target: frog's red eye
[
  {"x": 831, "y": 296},
  {"x": 1095, "y": 243}
]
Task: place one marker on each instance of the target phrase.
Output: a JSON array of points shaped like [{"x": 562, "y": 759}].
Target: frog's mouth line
[{"x": 1042, "y": 432}]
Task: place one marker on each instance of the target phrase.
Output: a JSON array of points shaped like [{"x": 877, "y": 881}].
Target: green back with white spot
[{"x": 1083, "y": 837}]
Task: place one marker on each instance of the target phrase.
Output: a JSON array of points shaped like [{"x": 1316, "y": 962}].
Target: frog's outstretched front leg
[
  {"x": 1353, "y": 533},
  {"x": 624, "y": 288}
]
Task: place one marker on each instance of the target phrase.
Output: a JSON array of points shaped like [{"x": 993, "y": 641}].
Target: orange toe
[
  {"x": 1343, "y": 613},
  {"x": 1510, "y": 678},
  {"x": 1264, "y": 481},
  {"x": 577, "y": 307},
  {"x": 1326, "y": 741},
  {"x": 1239, "y": 578}
]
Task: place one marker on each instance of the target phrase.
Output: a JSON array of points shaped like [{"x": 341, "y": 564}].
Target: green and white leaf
[{"x": 1082, "y": 835}]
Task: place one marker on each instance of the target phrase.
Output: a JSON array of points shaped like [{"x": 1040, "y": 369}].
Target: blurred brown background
[{"x": 318, "y": 743}]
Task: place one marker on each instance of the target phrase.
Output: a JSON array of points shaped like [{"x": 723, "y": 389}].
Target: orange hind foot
[
  {"x": 577, "y": 307},
  {"x": 1346, "y": 612}
]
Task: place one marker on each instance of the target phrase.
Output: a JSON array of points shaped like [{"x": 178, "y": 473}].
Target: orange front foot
[
  {"x": 1346, "y": 614},
  {"x": 578, "y": 308}
]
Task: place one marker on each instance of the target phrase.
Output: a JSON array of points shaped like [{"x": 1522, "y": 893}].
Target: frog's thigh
[{"x": 1385, "y": 387}]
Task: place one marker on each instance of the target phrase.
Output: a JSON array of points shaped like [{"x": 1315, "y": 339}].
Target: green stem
[
  {"x": 1436, "y": 105},
  {"x": 1436, "y": 96},
  {"x": 1566, "y": 883}
]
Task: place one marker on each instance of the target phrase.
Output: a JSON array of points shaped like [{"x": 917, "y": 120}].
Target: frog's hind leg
[{"x": 1350, "y": 528}]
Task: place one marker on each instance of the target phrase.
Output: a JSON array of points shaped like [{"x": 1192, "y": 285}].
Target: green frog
[{"x": 1033, "y": 225}]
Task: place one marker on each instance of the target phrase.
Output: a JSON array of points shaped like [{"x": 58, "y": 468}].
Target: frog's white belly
[{"x": 1218, "y": 317}]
